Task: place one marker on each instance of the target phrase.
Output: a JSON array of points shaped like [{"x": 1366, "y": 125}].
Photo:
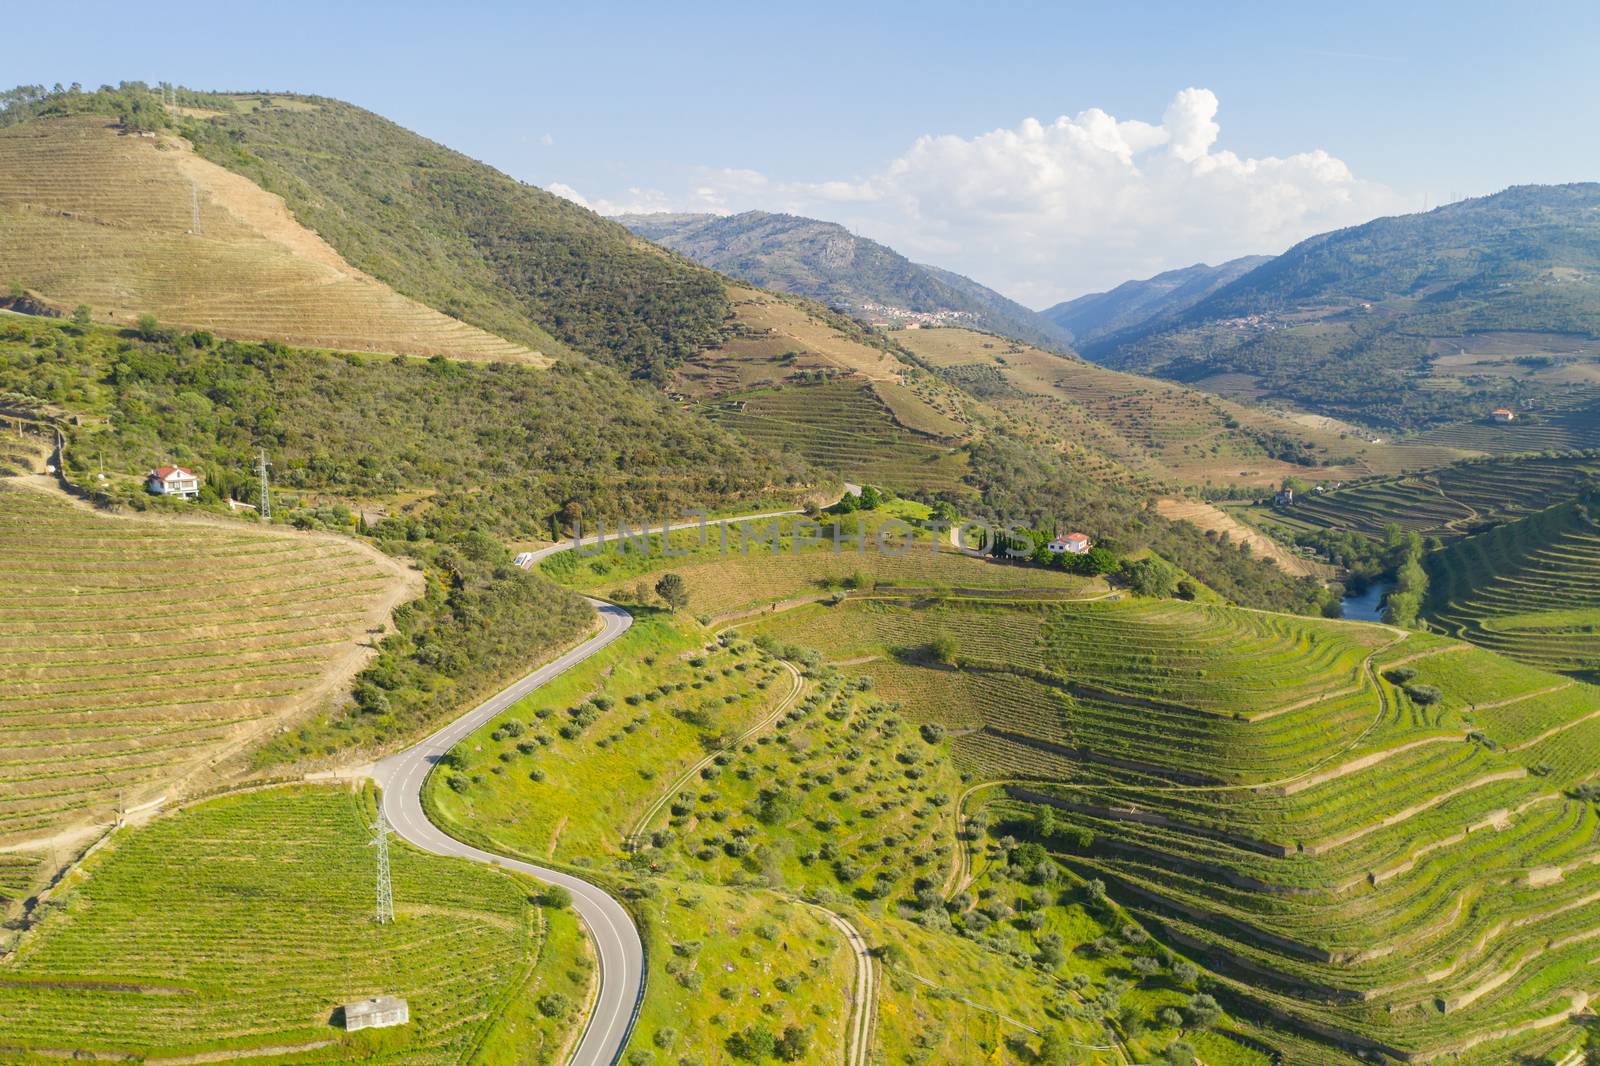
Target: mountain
[
  {"x": 1135, "y": 302},
  {"x": 1404, "y": 322},
  {"x": 827, "y": 262}
]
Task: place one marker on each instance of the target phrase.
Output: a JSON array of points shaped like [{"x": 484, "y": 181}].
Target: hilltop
[
  {"x": 1404, "y": 322},
  {"x": 1133, "y": 303},
  {"x": 825, "y": 261}
]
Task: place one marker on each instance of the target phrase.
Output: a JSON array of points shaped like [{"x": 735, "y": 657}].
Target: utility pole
[
  {"x": 380, "y": 840},
  {"x": 264, "y": 509}
]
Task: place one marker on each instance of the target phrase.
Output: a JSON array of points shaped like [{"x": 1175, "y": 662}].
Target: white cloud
[
  {"x": 637, "y": 202},
  {"x": 1042, "y": 211}
]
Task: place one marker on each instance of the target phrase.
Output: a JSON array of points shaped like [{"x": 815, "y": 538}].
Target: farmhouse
[
  {"x": 523, "y": 561},
  {"x": 379, "y": 1012},
  {"x": 1504, "y": 415},
  {"x": 172, "y": 481},
  {"x": 1071, "y": 544}
]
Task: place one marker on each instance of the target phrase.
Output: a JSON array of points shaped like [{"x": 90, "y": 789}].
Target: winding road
[
  {"x": 617, "y": 944},
  {"x": 402, "y": 777}
]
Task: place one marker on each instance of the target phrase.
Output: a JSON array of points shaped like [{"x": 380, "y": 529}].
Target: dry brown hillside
[{"x": 94, "y": 216}]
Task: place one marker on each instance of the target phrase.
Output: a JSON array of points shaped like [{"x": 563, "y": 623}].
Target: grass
[
  {"x": 751, "y": 573},
  {"x": 243, "y": 922},
  {"x": 98, "y": 218},
  {"x": 574, "y": 798},
  {"x": 135, "y": 653},
  {"x": 722, "y": 961}
]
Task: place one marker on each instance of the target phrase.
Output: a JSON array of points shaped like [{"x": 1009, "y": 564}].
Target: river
[{"x": 1368, "y": 607}]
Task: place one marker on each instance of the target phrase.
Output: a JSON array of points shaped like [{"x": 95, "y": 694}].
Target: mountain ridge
[{"x": 825, "y": 261}]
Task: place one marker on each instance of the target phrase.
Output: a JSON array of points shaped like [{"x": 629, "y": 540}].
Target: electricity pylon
[{"x": 380, "y": 840}]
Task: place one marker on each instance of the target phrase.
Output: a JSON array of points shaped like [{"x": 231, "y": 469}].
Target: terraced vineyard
[
  {"x": 134, "y": 653},
  {"x": 241, "y": 924},
  {"x": 98, "y": 218},
  {"x": 1529, "y": 589},
  {"x": 1450, "y": 502},
  {"x": 843, "y": 426},
  {"x": 1158, "y": 429},
  {"x": 1365, "y": 835},
  {"x": 1567, "y": 420}
]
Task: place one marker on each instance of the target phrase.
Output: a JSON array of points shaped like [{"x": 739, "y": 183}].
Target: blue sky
[{"x": 1312, "y": 115}]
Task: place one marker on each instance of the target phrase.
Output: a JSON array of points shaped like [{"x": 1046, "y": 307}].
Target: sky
[{"x": 1046, "y": 150}]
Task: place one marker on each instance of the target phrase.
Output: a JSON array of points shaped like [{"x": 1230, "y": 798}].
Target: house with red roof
[
  {"x": 172, "y": 481},
  {"x": 1071, "y": 544}
]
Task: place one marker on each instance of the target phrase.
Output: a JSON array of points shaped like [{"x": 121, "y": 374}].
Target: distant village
[{"x": 886, "y": 316}]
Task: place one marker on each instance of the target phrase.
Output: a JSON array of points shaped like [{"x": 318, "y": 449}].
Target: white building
[
  {"x": 379, "y": 1012},
  {"x": 172, "y": 481},
  {"x": 1071, "y": 544},
  {"x": 1504, "y": 415}
]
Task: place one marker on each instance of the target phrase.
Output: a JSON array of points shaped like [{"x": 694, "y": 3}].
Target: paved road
[
  {"x": 403, "y": 775},
  {"x": 616, "y": 940}
]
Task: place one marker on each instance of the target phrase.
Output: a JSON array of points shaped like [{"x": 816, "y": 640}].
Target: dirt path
[
  {"x": 643, "y": 822},
  {"x": 1214, "y": 519}
]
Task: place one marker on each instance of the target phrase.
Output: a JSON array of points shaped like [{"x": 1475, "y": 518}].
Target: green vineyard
[
  {"x": 1453, "y": 501},
  {"x": 241, "y": 924},
  {"x": 843, "y": 426},
  {"x": 1364, "y": 834},
  {"x": 1529, "y": 589}
]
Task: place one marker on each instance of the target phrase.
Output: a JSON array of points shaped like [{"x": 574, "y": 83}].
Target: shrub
[{"x": 554, "y": 1005}]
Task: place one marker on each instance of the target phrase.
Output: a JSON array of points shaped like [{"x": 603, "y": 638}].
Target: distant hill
[
  {"x": 1134, "y": 303},
  {"x": 1404, "y": 322},
  {"x": 827, "y": 262}
]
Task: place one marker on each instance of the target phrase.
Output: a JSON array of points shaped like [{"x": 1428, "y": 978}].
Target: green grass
[
  {"x": 243, "y": 922},
  {"x": 722, "y": 961},
  {"x": 546, "y": 795}
]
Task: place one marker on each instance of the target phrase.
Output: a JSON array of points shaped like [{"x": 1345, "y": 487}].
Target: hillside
[
  {"x": 137, "y": 654},
  {"x": 1370, "y": 839},
  {"x": 1529, "y": 589},
  {"x": 1134, "y": 303},
  {"x": 826, "y": 262},
  {"x": 1404, "y": 322},
  {"x": 129, "y": 225}
]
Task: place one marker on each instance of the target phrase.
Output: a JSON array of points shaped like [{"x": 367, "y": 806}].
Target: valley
[{"x": 878, "y": 766}]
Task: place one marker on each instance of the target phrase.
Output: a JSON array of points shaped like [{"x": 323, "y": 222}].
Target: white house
[
  {"x": 172, "y": 481},
  {"x": 379, "y": 1012},
  {"x": 1071, "y": 544},
  {"x": 523, "y": 561},
  {"x": 1504, "y": 415}
]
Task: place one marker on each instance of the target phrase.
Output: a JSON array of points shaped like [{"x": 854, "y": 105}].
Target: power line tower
[
  {"x": 194, "y": 208},
  {"x": 265, "y": 509},
  {"x": 380, "y": 840}
]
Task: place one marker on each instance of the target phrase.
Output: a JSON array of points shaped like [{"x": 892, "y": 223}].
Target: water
[{"x": 1368, "y": 607}]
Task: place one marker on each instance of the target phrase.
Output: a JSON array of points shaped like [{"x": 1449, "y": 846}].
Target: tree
[
  {"x": 674, "y": 591},
  {"x": 1151, "y": 576},
  {"x": 753, "y": 1043},
  {"x": 554, "y": 1005},
  {"x": 81, "y": 315},
  {"x": 555, "y": 897},
  {"x": 794, "y": 1043},
  {"x": 149, "y": 328},
  {"x": 945, "y": 649},
  {"x": 1203, "y": 1011},
  {"x": 871, "y": 498},
  {"x": 1054, "y": 1049}
]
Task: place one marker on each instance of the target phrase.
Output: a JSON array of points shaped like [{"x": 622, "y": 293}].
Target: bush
[
  {"x": 554, "y": 1005},
  {"x": 1423, "y": 695}
]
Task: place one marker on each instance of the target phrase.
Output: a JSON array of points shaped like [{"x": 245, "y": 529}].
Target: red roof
[
  {"x": 1077, "y": 538},
  {"x": 167, "y": 473}
]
